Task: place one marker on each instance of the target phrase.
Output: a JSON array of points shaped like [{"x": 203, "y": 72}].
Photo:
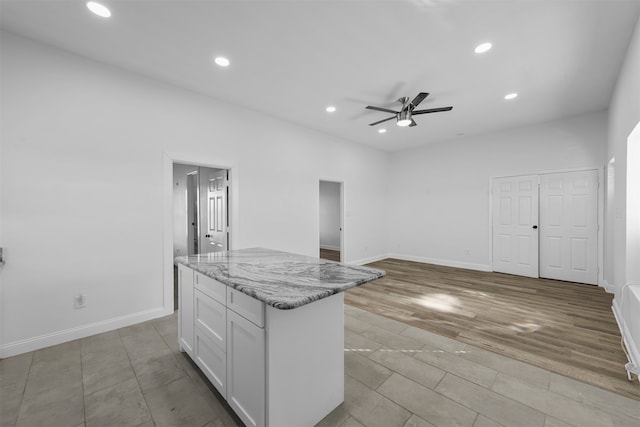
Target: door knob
[{"x": 535, "y": 227}]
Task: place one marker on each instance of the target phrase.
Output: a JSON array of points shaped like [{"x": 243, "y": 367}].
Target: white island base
[
  {"x": 274, "y": 367},
  {"x": 305, "y": 359}
]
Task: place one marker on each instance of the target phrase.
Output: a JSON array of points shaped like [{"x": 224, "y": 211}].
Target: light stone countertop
[{"x": 280, "y": 279}]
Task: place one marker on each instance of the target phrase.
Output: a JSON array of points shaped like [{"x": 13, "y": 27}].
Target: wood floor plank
[
  {"x": 330, "y": 254},
  {"x": 565, "y": 327}
]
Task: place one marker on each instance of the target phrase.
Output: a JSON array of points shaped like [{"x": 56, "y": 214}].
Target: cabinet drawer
[
  {"x": 246, "y": 306},
  {"x": 212, "y": 360},
  {"x": 211, "y": 287},
  {"x": 211, "y": 318}
]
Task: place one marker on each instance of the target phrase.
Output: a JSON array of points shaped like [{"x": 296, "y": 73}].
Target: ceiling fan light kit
[{"x": 404, "y": 117}]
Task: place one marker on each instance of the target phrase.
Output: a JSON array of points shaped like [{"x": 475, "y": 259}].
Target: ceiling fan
[{"x": 405, "y": 115}]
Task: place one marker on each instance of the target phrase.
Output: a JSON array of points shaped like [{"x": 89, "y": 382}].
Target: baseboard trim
[
  {"x": 610, "y": 289},
  {"x": 424, "y": 260},
  {"x": 30, "y": 344},
  {"x": 329, "y": 247},
  {"x": 363, "y": 261},
  {"x": 634, "y": 352},
  {"x": 444, "y": 262}
]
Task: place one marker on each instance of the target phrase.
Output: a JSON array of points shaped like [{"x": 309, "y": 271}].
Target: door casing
[
  {"x": 342, "y": 217},
  {"x": 196, "y": 159}
]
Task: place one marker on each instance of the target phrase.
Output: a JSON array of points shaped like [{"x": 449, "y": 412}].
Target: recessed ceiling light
[
  {"x": 511, "y": 96},
  {"x": 482, "y": 48},
  {"x": 221, "y": 61},
  {"x": 382, "y": 130},
  {"x": 330, "y": 109},
  {"x": 99, "y": 9}
]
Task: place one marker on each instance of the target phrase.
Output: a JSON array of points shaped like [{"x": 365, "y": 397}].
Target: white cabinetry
[
  {"x": 275, "y": 368},
  {"x": 247, "y": 307},
  {"x": 246, "y": 369},
  {"x": 223, "y": 332},
  {"x": 211, "y": 344},
  {"x": 185, "y": 318}
]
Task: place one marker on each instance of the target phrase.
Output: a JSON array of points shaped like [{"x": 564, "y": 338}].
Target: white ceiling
[{"x": 290, "y": 59}]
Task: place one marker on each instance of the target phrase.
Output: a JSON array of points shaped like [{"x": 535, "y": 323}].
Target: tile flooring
[{"x": 396, "y": 375}]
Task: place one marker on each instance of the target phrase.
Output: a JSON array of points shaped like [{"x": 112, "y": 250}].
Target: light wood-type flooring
[
  {"x": 565, "y": 327},
  {"x": 329, "y": 254}
]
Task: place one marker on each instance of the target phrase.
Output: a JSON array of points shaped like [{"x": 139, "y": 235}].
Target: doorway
[
  {"x": 200, "y": 209},
  {"x": 330, "y": 220},
  {"x": 546, "y": 226},
  {"x": 200, "y": 212}
]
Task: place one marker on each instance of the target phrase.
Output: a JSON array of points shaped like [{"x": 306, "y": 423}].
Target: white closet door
[
  {"x": 515, "y": 221},
  {"x": 569, "y": 226}
]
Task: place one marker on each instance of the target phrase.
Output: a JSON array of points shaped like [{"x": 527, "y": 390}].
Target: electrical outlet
[{"x": 80, "y": 301}]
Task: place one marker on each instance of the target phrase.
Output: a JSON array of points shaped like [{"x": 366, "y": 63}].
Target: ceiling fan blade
[
  {"x": 413, "y": 123},
  {"x": 431, "y": 110},
  {"x": 386, "y": 110},
  {"x": 382, "y": 121},
  {"x": 419, "y": 98}
]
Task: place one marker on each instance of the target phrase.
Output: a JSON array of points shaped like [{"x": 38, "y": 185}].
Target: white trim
[
  {"x": 364, "y": 261},
  {"x": 491, "y": 223},
  {"x": 59, "y": 337},
  {"x": 609, "y": 288},
  {"x": 632, "y": 349},
  {"x": 167, "y": 233},
  {"x": 602, "y": 201},
  {"x": 342, "y": 248},
  {"x": 329, "y": 247},
  {"x": 444, "y": 262},
  {"x": 424, "y": 260},
  {"x": 343, "y": 256}
]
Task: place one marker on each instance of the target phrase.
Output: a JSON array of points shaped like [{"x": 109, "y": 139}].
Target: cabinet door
[
  {"x": 185, "y": 310},
  {"x": 212, "y": 360},
  {"x": 246, "y": 369}
]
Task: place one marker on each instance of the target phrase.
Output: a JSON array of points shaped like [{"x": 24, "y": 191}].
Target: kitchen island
[{"x": 267, "y": 329}]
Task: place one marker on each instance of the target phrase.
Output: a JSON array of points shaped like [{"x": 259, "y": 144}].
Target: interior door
[
  {"x": 515, "y": 225},
  {"x": 213, "y": 235},
  {"x": 569, "y": 226}
]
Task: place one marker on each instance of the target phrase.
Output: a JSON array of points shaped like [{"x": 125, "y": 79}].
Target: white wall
[
  {"x": 633, "y": 206},
  {"x": 624, "y": 115},
  {"x": 440, "y": 193},
  {"x": 84, "y": 205},
  {"x": 95, "y": 216},
  {"x": 330, "y": 215}
]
